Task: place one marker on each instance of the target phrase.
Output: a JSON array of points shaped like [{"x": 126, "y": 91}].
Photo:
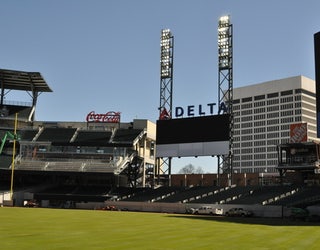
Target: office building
[{"x": 263, "y": 114}]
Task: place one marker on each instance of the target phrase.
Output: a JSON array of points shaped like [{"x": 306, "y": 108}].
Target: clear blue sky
[{"x": 103, "y": 55}]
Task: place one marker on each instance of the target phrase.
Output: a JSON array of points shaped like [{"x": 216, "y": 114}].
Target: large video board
[{"x": 197, "y": 136}]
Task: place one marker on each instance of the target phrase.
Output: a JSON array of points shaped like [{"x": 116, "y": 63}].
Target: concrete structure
[{"x": 263, "y": 114}]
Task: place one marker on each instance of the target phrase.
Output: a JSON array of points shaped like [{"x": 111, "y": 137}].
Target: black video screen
[{"x": 195, "y": 129}]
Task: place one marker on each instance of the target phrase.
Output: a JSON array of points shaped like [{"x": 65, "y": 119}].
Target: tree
[{"x": 190, "y": 169}]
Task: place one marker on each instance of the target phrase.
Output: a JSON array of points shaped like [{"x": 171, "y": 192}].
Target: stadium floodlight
[
  {"x": 166, "y": 44},
  {"x": 163, "y": 165},
  {"x": 224, "y": 42},
  {"x": 225, "y": 66}
]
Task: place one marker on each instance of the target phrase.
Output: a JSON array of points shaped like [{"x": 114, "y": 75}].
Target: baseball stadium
[{"x": 104, "y": 163}]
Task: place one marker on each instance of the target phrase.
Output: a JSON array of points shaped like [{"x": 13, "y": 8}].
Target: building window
[
  {"x": 259, "y": 110},
  {"x": 285, "y": 127},
  {"x": 271, "y": 149},
  {"x": 259, "y": 130},
  {"x": 246, "y": 118},
  {"x": 273, "y": 95},
  {"x": 259, "y": 163},
  {"x": 273, "y": 135},
  {"x": 259, "y": 123},
  {"x": 272, "y": 108},
  {"x": 236, "y": 107},
  {"x": 286, "y": 99},
  {"x": 287, "y": 106},
  {"x": 246, "y": 106},
  {"x": 273, "y": 122},
  {"x": 246, "y": 157},
  {"x": 259, "y": 117},
  {"x": 288, "y": 92},
  {"x": 248, "y": 99},
  {"x": 246, "y": 163},
  {"x": 259, "y": 150},
  {"x": 246, "y": 125},
  {"x": 297, "y": 119},
  {"x": 246, "y": 151},
  {"x": 273, "y": 142},
  {"x": 287, "y": 113},
  {"x": 273, "y": 128},
  {"x": 236, "y": 101},
  {"x": 259, "y": 104},
  {"x": 273, "y": 102},
  {"x": 259, "y": 136},
  {"x": 259, "y": 97},
  {"x": 273, "y": 115},
  {"x": 259, "y": 143},
  {"x": 287, "y": 120},
  {"x": 246, "y": 138},
  {"x": 246, "y": 112},
  {"x": 297, "y": 98},
  {"x": 259, "y": 156},
  {"x": 246, "y": 144}
]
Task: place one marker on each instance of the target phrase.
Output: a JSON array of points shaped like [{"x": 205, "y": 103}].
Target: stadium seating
[
  {"x": 5, "y": 161},
  {"x": 188, "y": 194},
  {"x": 92, "y": 137},
  {"x": 27, "y": 134},
  {"x": 126, "y": 135},
  {"x": 262, "y": 194},
  {"x": 223, "y": 195},
  {"x": 147, "y": 194},
  {"x": 60, "y": 135},
  {"x": 302, "y": 197}
]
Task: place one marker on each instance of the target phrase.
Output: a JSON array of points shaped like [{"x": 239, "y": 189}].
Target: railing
[
  {"x": 17, "y": 103},
  {"x": 121, "y": 165},
  {"x": 98, "y": 167},
  {"x": 90, "y": 164},
  {"x": 30, "y": 165},
  {"x": 65, "y": 165}
]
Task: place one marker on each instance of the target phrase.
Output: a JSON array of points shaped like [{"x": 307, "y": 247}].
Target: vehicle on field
[
  {"x": 204, "y": 210},
  {"x": 190, "y": 210},
  {"x": 219, "y": 211},
  {"x": 31, "y": 203},
  {"x": 110, "y": 208},
  {"x": 239, "y": 212}
]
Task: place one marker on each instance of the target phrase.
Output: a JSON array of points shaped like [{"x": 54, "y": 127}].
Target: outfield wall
[{"x": 181, "y": 208}]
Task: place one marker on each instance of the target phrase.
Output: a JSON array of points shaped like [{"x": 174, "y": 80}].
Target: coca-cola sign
[{"x": 110, "y": 117}]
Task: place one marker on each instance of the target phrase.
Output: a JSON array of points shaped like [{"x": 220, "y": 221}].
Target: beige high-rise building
[{"x": 262, "y": 116}]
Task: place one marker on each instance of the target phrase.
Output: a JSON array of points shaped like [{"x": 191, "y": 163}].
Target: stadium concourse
[{"x": 68, "y": 164}]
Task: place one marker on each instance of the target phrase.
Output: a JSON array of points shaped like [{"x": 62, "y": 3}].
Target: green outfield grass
[{"x": 38, "y": 228}]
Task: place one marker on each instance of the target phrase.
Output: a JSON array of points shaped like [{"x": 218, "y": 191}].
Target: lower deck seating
[{"x": 5, "y": 161}]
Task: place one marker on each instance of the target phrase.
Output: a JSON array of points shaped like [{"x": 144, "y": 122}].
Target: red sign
[
  {"x": 164, "y": 115},
  {"x": 110, "y": 117},
  {"x": 298, "y": 132}
]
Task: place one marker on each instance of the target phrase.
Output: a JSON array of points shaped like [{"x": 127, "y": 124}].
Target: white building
[{"x": 262, "y": 117}]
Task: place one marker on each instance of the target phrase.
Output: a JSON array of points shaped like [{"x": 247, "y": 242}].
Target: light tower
[
  {"x": 163, "y": 166},
  {"x": 316, "y": 37},
  {"x": 225, "y": 94}
]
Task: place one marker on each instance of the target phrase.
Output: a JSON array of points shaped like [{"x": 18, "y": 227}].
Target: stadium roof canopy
[{"x": 21, "y": 80}]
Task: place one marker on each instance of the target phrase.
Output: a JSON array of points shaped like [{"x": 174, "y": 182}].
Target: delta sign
[{"x": 193, "y": 110}]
